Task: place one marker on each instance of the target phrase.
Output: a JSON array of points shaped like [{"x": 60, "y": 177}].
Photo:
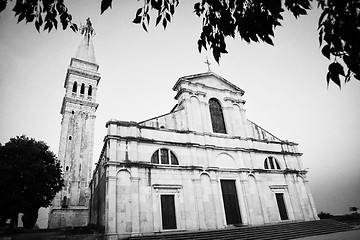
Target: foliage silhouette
[
  {"x": 252, "y": 20},
  {"x": 30, "y": 177},
  {"x": 324, "y": 215},
  {"x": 353, "y": 209}
]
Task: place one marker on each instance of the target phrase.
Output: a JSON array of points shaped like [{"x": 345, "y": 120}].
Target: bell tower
[{"x": 71, "y": 205}]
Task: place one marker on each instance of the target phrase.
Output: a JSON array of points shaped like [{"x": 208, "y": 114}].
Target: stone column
[
  {"x": 301, "y": 199},
  {"x": 135, "y": 208},
  {"x": 110, "y": 226},
  {"x": 261, "y": 198},
  {"x": 228, "y": 118},
  {"x": 245, "y": 209},
  {"x": 311, "y": 200},
  {"x": 199, "y": 204},
  {"x": 219, "y": 211},
  {"x": 294, "y": 197}
]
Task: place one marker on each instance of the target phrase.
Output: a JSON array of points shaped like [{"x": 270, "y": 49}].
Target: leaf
[
  {"x": 156, "y": 5},
  {"x": 55, "y": 23},
  {"x": 105, "y": 4},
  {"x": 48, "y": 25},
  {"x": 144, "y": 26},
  {"x": 172, "y": 9},
  {"x": 63, "y": 20},
  {"x": 321, "y": 36},
  {"x": 199, "y": 46},
  {"x": 138, "y": 12},
  {"x": 37, "y": 25},
  {"x": 29, "y": 17},
  {"x": 348, "y": 75},
  {"x": 323, "y": 14},
  {"x": 158, "y": 19},
  {"x": 137, "y": 20},
  {"x": 268, "y": 40},
  {"x": 326, "y": 51},
  {"x": 340, "y": 69},
  {"x": 336, "y": 79},
  {"x": 328, "y": 78},
  {"x": 74, "y": 27},
  {"x": 216, "y": 54},
  {"x": 335, "y": 69},
  {"x": 164, "y": 23},
  {"x": 21, "y": 17},
  {"x": 148, "y": 18}
]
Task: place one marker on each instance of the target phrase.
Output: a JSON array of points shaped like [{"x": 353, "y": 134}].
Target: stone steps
[{"x": 280, "y": 231}]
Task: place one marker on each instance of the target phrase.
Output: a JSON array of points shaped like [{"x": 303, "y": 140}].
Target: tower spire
[{"x": 85, "y": 50}]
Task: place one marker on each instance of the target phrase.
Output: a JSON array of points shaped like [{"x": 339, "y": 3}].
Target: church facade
[{"x": 203, "y": 165}]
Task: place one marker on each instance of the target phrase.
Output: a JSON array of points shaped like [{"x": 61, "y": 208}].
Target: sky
[{"x": 285, "y": 85}]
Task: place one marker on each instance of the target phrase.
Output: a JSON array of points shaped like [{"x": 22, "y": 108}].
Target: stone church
[{"x": 203, "y": 165}]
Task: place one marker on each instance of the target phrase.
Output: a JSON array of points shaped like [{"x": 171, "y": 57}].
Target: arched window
[
  {"x": 217, "y": 118},
  {"x": 271, "y": 163},
  {"x": 82, "y": 89},
  {"x": 90, "y": 90},
  {"x": 164, "y": 156},
  {"x": 74, "y": 90}
]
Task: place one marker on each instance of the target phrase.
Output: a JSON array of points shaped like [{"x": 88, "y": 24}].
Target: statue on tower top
[{"x": 87, "y": 30}]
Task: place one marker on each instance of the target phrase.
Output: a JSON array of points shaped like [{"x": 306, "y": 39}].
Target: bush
[{"x": 324, "y": 215}]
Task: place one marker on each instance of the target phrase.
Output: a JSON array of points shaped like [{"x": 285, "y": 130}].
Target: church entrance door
[
  {"x": 231, "y": 203},
  {"x": 168, "y": 212},
  {"x": 281, "y": 206}
]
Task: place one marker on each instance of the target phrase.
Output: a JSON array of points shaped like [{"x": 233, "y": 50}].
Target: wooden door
[
  {"x": 231, "y": 203},
  {"x": 168, "y": 212},
  {"x": 281, "y": 206}
]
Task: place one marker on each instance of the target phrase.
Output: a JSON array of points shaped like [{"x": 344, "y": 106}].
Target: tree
[
  {"x": 325, "y": 215},
  {"x": 252, "y": 20},
  {"x": 354, "y": 209},
  {"x": 30, "y": 176}
]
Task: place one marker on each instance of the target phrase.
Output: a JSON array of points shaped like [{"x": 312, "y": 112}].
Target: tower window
[
  {"x": 271, "y": 163},
  {"x": 217, "y": 118},
  {"x": 90, "y": 90},
  {"x": 82, "y": 89},
  {"x": 164, "y": 156},
  {"x": 74, "y": 89}
]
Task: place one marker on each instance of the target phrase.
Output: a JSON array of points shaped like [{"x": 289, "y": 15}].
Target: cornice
[
  {"x": 77, "y": 101},
  {"x": 226, "y": 136},
  {"x": 84, "y": 73},
  {"x": 206, "y": 74},
  {"x": 198, "y": 145},
  {"x": 131, "y": 164},
  {"x": 85, "y": 62},
  {"x": 233, "y": 100}
]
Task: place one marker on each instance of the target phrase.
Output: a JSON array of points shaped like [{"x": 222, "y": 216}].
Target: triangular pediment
[{"x": 209, "y": 79}]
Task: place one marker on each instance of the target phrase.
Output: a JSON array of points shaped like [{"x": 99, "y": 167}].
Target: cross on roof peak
[{"x": 208, "y": 64}]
